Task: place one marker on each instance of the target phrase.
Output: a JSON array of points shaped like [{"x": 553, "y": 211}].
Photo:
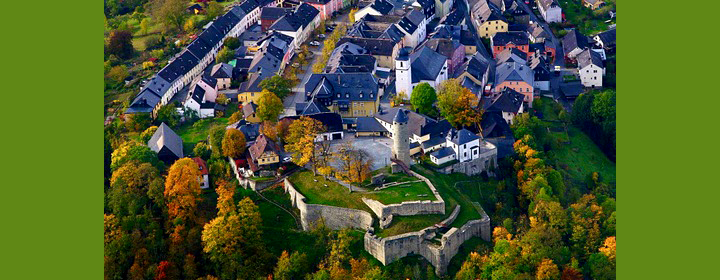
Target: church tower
[
  {"x": 401, "y": 139},
  {"x": 403, "y": 73}
]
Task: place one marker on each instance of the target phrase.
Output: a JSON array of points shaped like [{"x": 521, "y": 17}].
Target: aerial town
[{"x": 359, "y": 139}]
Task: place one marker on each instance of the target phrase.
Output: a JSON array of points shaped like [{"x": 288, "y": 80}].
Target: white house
[
  {"x": 461, "y": 145},
  {"x": 201, "y": 97},
  {"x": 424, "y": 65},
  {"x": 377, "y": 8},
  {"x": 299, "y": 24},
  {"x": 414, "y": 25},
  {"x": 590, "y": 68},
  {"x": 550, "y": 10}
]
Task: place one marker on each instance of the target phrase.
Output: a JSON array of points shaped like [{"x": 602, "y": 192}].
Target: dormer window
[
  {"x": 347, "y": 95},
  {"x": 338, "y": 95}
]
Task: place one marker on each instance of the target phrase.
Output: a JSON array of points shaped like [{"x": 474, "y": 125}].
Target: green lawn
[
  {"x": 191, "y": 134},
  {"x": 400, "y": 193},
  {"x": 405, "y": 224},
  {"x": 445, "y": 184},
  {"x": 587, "y": 21},
  {"x": 334, "y": 194}
]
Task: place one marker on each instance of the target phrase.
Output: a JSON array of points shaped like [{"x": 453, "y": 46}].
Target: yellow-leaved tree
[{"x": 301, "y": 140}]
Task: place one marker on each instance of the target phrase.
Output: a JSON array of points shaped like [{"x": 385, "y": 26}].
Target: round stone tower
[{"x": 401, "y": 138}]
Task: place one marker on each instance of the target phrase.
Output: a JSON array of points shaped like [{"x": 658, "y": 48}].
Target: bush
[{"x": 232, "y": 43}]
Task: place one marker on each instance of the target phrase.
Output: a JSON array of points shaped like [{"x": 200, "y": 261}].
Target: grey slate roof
[
  {"x": 309, "y": 108},
  {"x": 607, "y": 37},
  {"x": 382, "y": 6},
  {"x": 368, "y": 124},
  {"x": 574, "y": 40},
  {"x": 411, "y": 21},
  {"x": 166, "y": 137},
  {"x": 509, "y": 101},
  {"x": 221, "y": 70},
  {"x": 433, "y": 141},
  {"x": 179, "y": 67},
  {"x": 513, "y": 71},
  {"x": 511, "y": 55},
  {"x": 443, "y": 46},
  {"x": 273, "y": 13},
  {"x": 249, "y": 109},
  {"x": 462, "y": 136},
  {"x": 587, "y": 57},
  {"x": 400, "y": 116},
  {"x": 426, "y": 64},
  {"x": 342, "y": 87},
  {"x": 515, "y": 37},
  {"x": 442, "y": 153},
  {"x": 144, "y": 102},
  {"x": 382, "y": 47},
  {"x": 455, "y": 17},
  {"x": 494, "y": 125},
  {"x": 250, "y": 130}
]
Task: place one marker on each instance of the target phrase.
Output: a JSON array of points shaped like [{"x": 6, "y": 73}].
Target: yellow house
[
  {"x": 264, "y": 151},
  {"x": 488, "y": 20},
  {"x": 348, "y": 94},
  {"x": 250, "y": 90},
  {"x": 249, "y": 112}
]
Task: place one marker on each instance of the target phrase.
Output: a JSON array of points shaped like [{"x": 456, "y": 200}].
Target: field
[
  {"x": 191, "y": 134},
  {"x": 587, "y": 21},
  {"x": 445, "y": 184}
]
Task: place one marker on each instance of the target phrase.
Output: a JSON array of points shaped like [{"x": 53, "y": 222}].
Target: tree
[
  {"x": 202, "y": 150},
  {"x": 182, "y": 190},
  {"x": 354, "y": 164},
  {"x": 217, "y": 133},
  {"x": 269, "y": 106},
  {"x": 133, "y": 187},
  {"x": 120, "y": 44},
  {"x": 235, "y": 117},
  {"x": 471, "y": 268},
  {"x": 458, "y": 104},
  {"x": 601, "y": 267},
  {"x": 190, "y": 269},
  {"x": 277, "y": 85},
  {"x": 547, "y": 270},
  {"x": 222, "y": 99},
  {"x": 213, "y": 10},
  {"x": 138, "y": 122},
  {"x": 301, "y": 140},
  {"x": 145, "y": 26},
  {"x": 189, "y": 25},
  {"x": 118, "y": 74},
  {"x": 269, "y": 129},
  {"x": 608, "y": 248},
  {"x": 231, "y": 42},
  {"x": 351, "y": 15},
  {"x": 233, "y": 144},
  {"x": 399, "y": 98},
  {"x": 290, "y": 266},
  {"x": 169, "y": 115},
  {"x": 234, "y": 243},
  {"x": 171, "y": 13},
  {"x": 282, "y": 129},
  {"x": 148, "y": 133},
  {"x": 423, "y": 97},
  {"x": 225, "y": 55},
  {"x": 132, "y": 151}
]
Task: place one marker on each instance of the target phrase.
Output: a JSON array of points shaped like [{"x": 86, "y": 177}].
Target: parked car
[
  {"x": 296, "y": 65},
  {"x": 314, "y": 43},
  {"x": 321, "y": 36},
  {"x": 287, "y": 158}
]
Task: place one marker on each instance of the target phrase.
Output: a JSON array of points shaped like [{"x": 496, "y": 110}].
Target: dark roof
[
  {"x": 444, "y": 152},
  {"x": 494, "y": 125},
  {"x": 144, "y": 102},
  {"x": 509, "y": 101},
  {"x": 587, "y": 57},
  {"x": 302, "y": 108},
  {"x": 426, "y": 64},
  {"x": 428, "y": 7},
  {"x": 197, "y": 93},
  {"x": 504, "y": 146},
  {"x": 369, "y": 124},
  {"x": 571, "y": 89},
  {"x": 383, "y": 47},
  {"x": 382, "y": 6},
  {"x": 446, "y": 47},
  {"x": 201, "y": 165},
  {"x": 179, "y": 67},
  {"x": 347, "y": 63},
  {"x": 607, "y": 37},
  {"x": 342, "y": 86},
  {"x": 516, "y": 37},
  {"x": 484, "y": 11},
  {"x": 433, "y": 141},
  {"x": 400, "y": 116},
  {"x": 199, "y": 48},
  {"x": 263, "y": 144},
  {"x": 462, "y": 136},
  {"x": 411, "y": 21},
  {"x": 273, "y": 13},
  {"x": 249, "y": 5},
  {"x": 221, "y": 70},
  {"x": 332, "y": 121},
  {"x": 455, "y": 17},
  {"x": 393, "y": 33},
  {"x": 252, "y": 34},
  {"x": 250, "y": 130},
  {"x": 166, "y": 137},
  {"x": 418, "y": 124},
  {"x": 574, "y": 40},
  {"x": 511, "y": 55}
]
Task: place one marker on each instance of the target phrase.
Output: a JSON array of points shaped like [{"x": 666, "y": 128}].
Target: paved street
[
  {"x": 377, "y": 147},
  {"x": 297, "y": 94}
]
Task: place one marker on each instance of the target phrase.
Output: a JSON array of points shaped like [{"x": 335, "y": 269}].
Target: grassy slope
[
  {"x": 191, "y": 134},
  {"x": 452, "y": 196}
]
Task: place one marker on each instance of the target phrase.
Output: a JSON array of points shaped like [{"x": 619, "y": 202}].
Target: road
[
  {"x": 297, "y": 94},
  {"x": 559, "y": 55}
]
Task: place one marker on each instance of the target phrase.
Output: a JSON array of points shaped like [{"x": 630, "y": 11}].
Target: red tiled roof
[{"x": 201, "y": 163}]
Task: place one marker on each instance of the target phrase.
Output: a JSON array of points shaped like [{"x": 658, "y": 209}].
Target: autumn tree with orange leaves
[
  {"x": 301, "y": 140},
  {"x": 182, "y": 196},
  {"x": 458, "y": 104}
]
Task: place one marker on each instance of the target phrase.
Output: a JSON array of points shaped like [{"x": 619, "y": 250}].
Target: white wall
[{"x": 591, "y": 76}]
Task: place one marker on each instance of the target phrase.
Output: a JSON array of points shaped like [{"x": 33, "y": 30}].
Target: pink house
[
  {"x": 326, "y": 7},
  {"x": 452, "y": 49}
]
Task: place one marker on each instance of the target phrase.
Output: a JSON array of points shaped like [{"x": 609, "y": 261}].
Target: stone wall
[
  {"x": 407, "y": 208},
  {"x": 247, "y": 183},
  {"x": 333, "y": 217},
  {"x": 425, "y": 242},
  {"x": 476, "y": 166}
]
